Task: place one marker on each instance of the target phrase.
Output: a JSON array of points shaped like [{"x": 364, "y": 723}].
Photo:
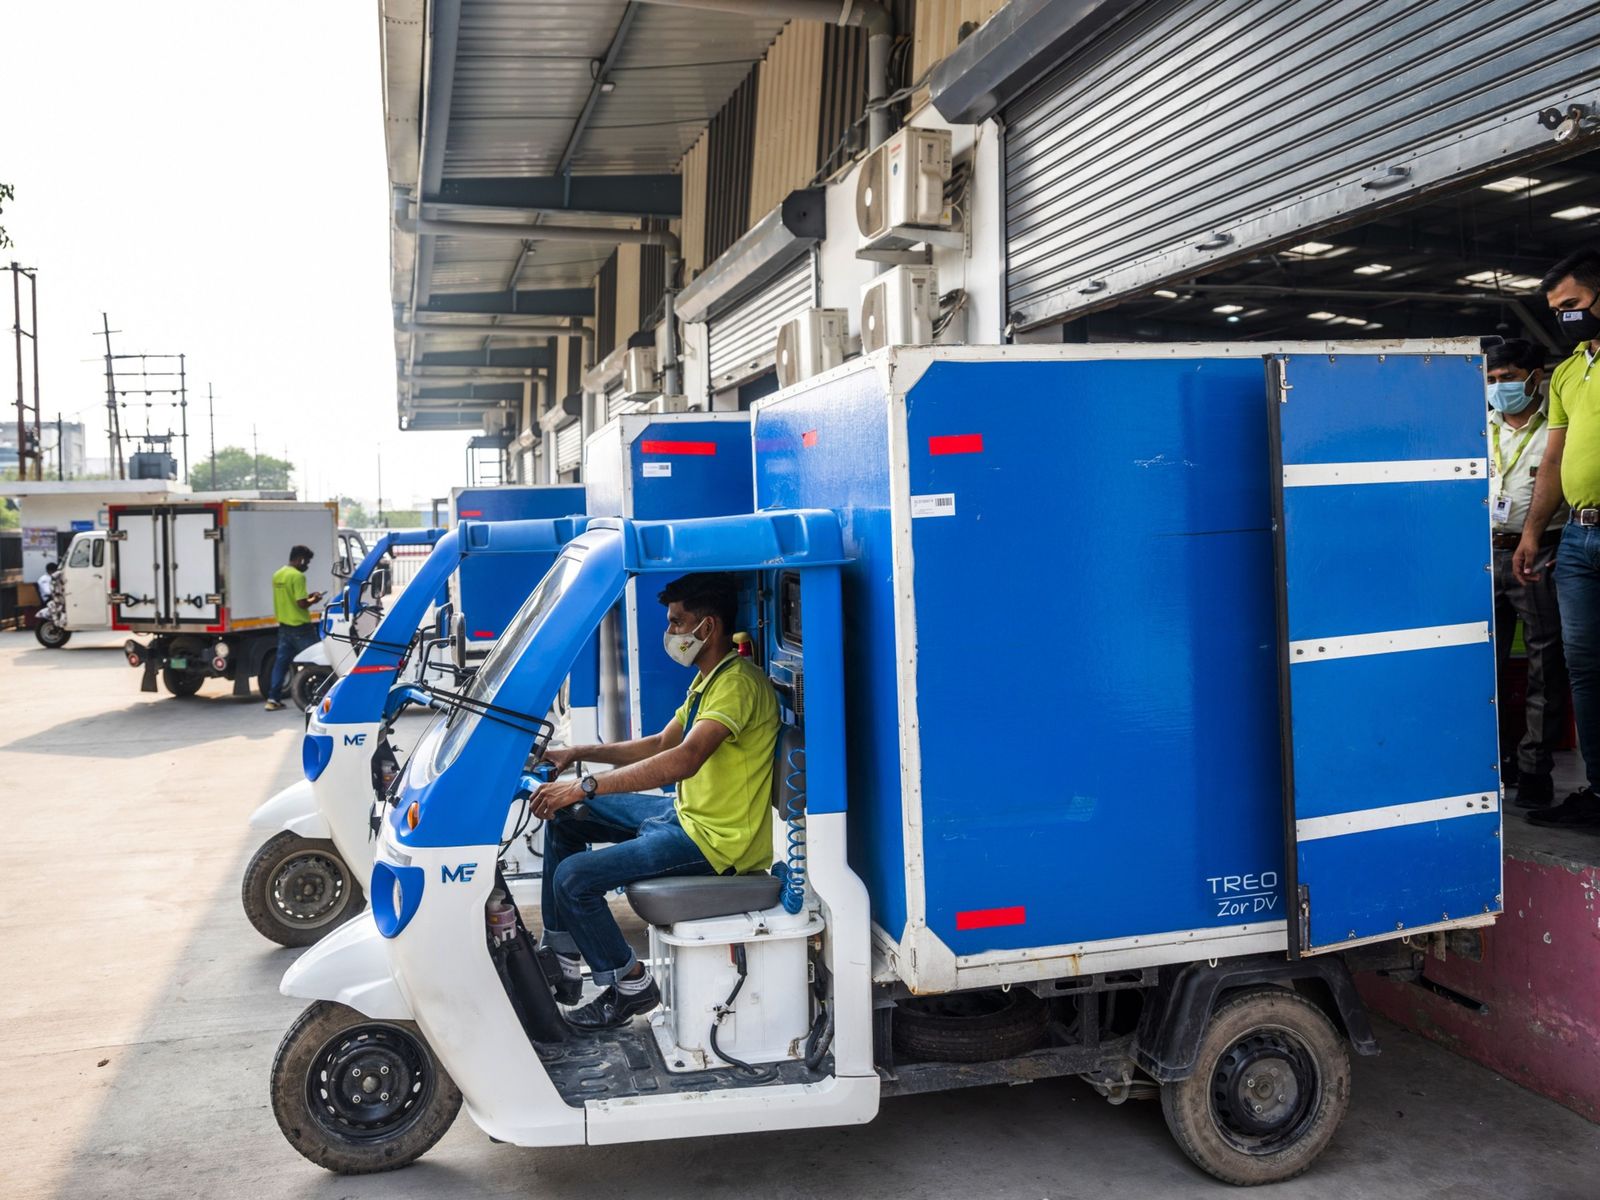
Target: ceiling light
[
  {"x": 1309, "y": 249},
  {"x": 1481, "y": 277},
  {"x": 1578, "y": 212},
  {"x": 1228, "y": 308},
  {"x": 1374, "y": 324},
  {"x": 1233, "y": 320},
  {"x": 1320, "y": 316},
  {"x": 1170, "y": 295},
  {"x": 1374, "y": 269},
  {"x": 608, "y": 87},
  {"x": 1512, "y": 183}
]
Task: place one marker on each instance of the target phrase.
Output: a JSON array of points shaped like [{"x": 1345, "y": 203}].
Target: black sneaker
[
  {"x": 568, "y": 988},
  {"x": 1535, "y": 791},
  {"x": 1581, "y": 810},
  {"x": 612, "y": 1008}
]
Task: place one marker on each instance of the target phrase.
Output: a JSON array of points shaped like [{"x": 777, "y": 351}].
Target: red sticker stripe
[
  {"x": 809, "y": 438},
  {"x": 991, "y": 918},
  {"x": 482, "y": 633},
  {"x": 372, "y": 669},
  {"x": 956, "y": 443},
  {"x": 697, "y": 448},
  {"x": 472, "y": 512}
]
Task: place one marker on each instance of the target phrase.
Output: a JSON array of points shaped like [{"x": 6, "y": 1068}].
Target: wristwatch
[{"x": 588, "y": 785}]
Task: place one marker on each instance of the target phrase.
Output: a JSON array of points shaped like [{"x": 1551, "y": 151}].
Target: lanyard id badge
[{"x": 1502, "y": 470}]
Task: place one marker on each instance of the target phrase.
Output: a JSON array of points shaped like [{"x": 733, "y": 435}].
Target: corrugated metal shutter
[
  {"x": 617, "y": 404},
  {"x": 743, "y": 338},
  {"x": 569, "y": 446},
  {"x": 1193, "y": 135}
]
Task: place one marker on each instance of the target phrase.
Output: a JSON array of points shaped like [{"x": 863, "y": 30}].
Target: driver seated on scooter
[{"x": 717, "y": 748}]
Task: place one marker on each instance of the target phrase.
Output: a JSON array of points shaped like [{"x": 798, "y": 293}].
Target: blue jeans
[
  {"x": 291, "y": 640},
  {"x": 1578, "y": 592},
  {"x": 649, "y": 844}
]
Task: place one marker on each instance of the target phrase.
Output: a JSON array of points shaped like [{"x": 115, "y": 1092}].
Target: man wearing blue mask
[
  {"x": 1570, "y": 472},
  {"x": 1518, "y": 432},
  {"x": 718, "y": 750}
]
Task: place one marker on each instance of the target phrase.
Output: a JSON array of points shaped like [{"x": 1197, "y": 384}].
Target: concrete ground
[{"x": 140, "y": 1012}]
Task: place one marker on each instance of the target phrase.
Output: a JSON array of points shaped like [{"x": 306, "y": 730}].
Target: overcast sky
[{"x": 212, "y": 175}]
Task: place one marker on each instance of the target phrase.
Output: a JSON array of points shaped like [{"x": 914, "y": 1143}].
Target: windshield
[{"x": 507, "y": 652}]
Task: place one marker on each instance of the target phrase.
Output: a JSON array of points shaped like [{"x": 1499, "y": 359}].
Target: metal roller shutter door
[
  {"x": 742, "y": 340},
  {"x": 569, "y": 446},
  {"x": 617, "y": 404},
  {"x": 1199, "y": 132}
]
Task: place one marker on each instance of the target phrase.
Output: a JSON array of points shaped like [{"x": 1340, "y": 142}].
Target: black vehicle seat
[{"x": 695, "y": 897}]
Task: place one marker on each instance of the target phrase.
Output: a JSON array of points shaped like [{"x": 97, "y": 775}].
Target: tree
[
  {"x": 237, "y": 469},
  {"x": 7, "y": 193},
  {"x": 353, "y": 514}
]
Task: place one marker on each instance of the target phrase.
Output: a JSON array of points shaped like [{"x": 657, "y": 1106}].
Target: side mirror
[
  {"x": 458, "y": 641},
  {"x": 341, "y": 568},
  {"x": 380, "y": 582}
]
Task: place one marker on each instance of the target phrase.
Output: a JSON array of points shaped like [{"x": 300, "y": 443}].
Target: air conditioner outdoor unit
[
  {"x": 898, "y": 308},
  {"x": 811, "y": 343},
  {"x": 668, "y": 404},
  {"x": 495, "y": 421},
  {"x": 902, "y": 183},
  {"x": 639, "y": 372}
]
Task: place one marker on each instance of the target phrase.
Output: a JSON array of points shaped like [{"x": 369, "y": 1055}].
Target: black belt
[
  {"x": 1508, "y": 541},
  {"x": 1584, "y": 516}
]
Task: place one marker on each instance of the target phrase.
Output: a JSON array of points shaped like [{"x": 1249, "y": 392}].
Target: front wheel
[
  {"x": 307, "y": 685},
  {"x": 50, "y": 635},
  {"x": 1270, "y": 1086},
  {"x": 355, "y": 1095},
  {"x": 298, "y": 889}
]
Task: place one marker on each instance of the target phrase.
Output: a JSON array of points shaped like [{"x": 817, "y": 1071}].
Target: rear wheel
[
  {"x": 355, "y": 1095},
  {"x": 50, "y": 635},
  {"x": 181, "y": 684},
  {"x": 1270, "y": 1086},
  {"x": 308, "y": 684},
  {"x": 298, "y": 889}
]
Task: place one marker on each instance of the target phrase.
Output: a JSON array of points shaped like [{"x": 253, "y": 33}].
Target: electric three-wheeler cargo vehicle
[
  {"x": 1046, "y": 810},
  {"x": 306, "y": 877}
]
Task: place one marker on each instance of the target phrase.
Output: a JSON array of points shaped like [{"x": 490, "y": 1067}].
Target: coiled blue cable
[{"x": 793, "y": 871}]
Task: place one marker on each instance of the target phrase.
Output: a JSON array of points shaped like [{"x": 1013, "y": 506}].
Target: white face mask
[{"x": 683, "y": 648}]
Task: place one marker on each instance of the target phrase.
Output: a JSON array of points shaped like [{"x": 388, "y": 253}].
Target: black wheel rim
[
  {"x": 309, "y": 889},
  {"x": 369, "y": 1082},
  {"x": 1264, "y": 1091}
]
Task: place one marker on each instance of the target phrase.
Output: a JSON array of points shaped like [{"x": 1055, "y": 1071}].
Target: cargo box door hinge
[
  {"x": 213, "y": 535},
  {"x": 1304, "y": 917}
]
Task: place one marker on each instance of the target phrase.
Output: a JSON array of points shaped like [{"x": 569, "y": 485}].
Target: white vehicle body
[{"x": 84, "y": 583}]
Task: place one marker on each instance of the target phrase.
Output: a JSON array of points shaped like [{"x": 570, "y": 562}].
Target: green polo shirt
[
  {"x": 288, "y": 588},
  {"x": 726, "y": 806},
  {"x": 1575, "y": 407}
]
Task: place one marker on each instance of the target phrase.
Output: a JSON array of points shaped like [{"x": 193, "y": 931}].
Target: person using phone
[{"x": 297, "y": 627}]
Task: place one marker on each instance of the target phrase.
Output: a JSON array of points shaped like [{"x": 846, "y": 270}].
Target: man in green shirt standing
[
  {"x": 718, "y": 749},
  {"x": 1571, "y": 470},
  {"x": 297, "y": 628}
]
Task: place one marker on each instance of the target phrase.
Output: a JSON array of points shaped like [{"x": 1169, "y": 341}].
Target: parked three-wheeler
[
  {"x": 1025, "y": 832},
  {"x": 306, "y": 877}
]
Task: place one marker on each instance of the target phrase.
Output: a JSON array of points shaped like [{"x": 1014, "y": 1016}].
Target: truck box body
[
  {"x": 1068, "y": 700},
  {"x": 208, "y": 567},
  {"x": 657, "y": 467},
  {"x": 489, "y": 589}
]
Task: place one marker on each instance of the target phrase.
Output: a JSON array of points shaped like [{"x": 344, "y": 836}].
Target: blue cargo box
[
  {"x": 1073, "y": 719},
  {"x": 489, "y": 589},
  {"x": 650, "y": 467}
]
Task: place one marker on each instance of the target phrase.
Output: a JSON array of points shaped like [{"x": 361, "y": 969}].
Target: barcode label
[
  {"x": 942, "y": 505},
  {"x": 657, "y": 469}
]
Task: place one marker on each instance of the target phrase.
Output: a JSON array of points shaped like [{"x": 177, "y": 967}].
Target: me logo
[
  {"x": 355, "y": 739},
  {"x": 461, "y": 873}
]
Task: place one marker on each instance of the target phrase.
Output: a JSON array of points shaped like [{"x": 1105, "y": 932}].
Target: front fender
[
  {"x": 295, "y": 809},
  {"x": 314, "y": 655},
  {"x": 351, "y": 967}
]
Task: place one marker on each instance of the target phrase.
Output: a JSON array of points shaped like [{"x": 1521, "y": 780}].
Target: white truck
[{"x": 198, "y": 578}]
